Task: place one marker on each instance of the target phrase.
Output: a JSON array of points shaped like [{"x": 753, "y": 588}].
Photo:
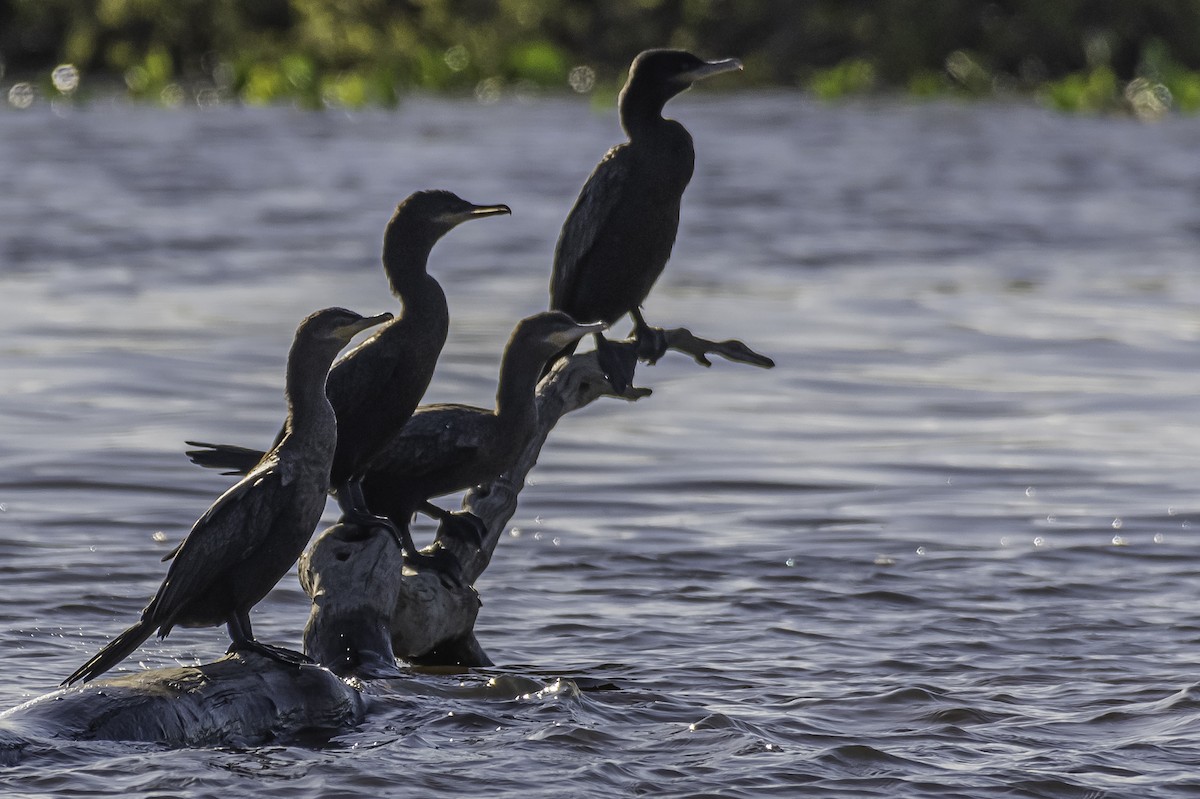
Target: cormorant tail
[
  {"x": 117, "y": 650},
  {"x": 233, "y": 459}
]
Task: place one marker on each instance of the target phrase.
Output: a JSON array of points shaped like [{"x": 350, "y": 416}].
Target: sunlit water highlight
[{"x": 946, "y": 548}]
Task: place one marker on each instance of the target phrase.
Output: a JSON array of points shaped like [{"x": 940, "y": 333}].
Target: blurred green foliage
[{"x": 1090, "y": 55}]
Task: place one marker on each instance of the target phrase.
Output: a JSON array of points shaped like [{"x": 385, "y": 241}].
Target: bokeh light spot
[
  {"x": 457, "y": 58},
  {"x": 65, "y": 78},
  {"x": 582, "y": 79},
  {"x": 488, "y": 91},
  {"x": 21, "y": 95}
]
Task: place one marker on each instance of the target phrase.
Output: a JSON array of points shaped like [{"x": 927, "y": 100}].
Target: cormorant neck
[
  {"x": 422, "y": 297},
  {"x": 640, "y": 108},
  {"x": 308, "y": 365},
  {"x": 406, "y": 248},
  {"x": 519, "y": 376}
]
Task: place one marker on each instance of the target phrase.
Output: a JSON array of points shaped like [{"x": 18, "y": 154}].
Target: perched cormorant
[
  {"x": 618, "y": 236},
  {"x": 376, "y": 386},
  {"x": 450, "y": 447},
  {"x": 249, "y": 538}
]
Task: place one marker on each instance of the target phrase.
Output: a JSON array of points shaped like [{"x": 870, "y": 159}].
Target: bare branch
[{"x": 683, "y": 340}]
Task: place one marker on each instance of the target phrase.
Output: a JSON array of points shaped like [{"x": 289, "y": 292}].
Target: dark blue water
[{"x": 944, "y": 549}]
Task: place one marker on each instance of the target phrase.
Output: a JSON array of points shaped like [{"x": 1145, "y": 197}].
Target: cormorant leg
[
  {"x": 464, "y": 523},
  {"x": 651, "y": 341},
  {"x": 617, "y": 361},
  {"x": 353, "y": 504},
  {"x": 240, "y": 633},
  {"x": 414, "y": 558},
  {"x": 354, "y": 510},
  {"x": 443, "y": 560}
]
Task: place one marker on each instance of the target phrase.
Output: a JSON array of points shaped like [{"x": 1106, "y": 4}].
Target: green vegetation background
[{"x": 1141, "y": 55}]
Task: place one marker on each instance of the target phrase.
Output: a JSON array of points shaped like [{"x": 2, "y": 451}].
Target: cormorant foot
[
  {"x": 651, "y": 343},
  {"x": 466, "y": 526},
  {"x": 443, "y": 563},
  {"x": 369, "y": 521},
  {"x": 617, "y": 361},
  {"x": 461, "y": 525},
  {"x": 281, "y": 654}
]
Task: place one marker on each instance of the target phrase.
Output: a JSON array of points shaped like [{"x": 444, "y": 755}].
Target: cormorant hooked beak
[
  {"x": 561, "y": 338},
  {"x": 349, "y": 331},
  {"x": 710, "y": 68},
  {"x": 477, "y": 212}
]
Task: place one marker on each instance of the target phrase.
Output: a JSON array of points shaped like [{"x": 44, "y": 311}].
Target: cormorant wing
[
  {"x": 232, "y": 527},
  {"x": 599, "y": 197},
  {"x": 435, "y": 438}
]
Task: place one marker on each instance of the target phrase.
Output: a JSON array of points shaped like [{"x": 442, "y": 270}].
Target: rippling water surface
[{"x": 945, "y": 548}]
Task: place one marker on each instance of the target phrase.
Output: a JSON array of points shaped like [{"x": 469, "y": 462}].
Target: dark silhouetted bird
[
  {"x": 618, "y": 236},
  {"x": 449, "y": 447},
  {"x": 249, "y": 538},
  {"x": 376, "y": 387}
]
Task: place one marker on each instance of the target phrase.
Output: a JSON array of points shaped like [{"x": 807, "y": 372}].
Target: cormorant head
[
  {"x": 440, "y": 211},
  {"x": 338, "y": 325},
  {"x": 549, "y": 332},
  {"x": 659, "y": 75}
]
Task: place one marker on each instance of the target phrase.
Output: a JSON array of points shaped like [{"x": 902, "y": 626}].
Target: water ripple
[{"x": 941, "y": 550}]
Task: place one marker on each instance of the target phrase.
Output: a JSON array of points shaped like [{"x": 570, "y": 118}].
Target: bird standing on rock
[
  {"x": 376, "y": 387},
  {"x": 618, "y": 236},
  {"x": 249, "y": 538}
]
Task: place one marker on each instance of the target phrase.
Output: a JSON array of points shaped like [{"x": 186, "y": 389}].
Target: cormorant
[
  {"x": 618, "y": 236},
  {"x": 376, "y": 386},
  {"x": 249, "y": 538},
  {"x": 450, "y": 447}
]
